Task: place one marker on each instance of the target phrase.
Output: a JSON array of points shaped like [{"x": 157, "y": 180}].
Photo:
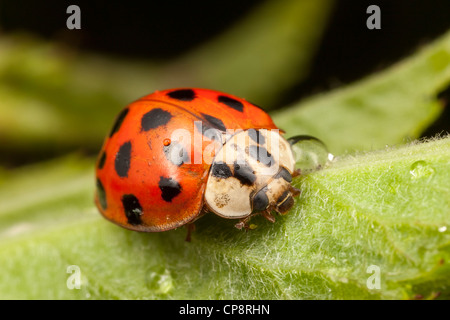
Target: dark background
[{"x": 165, "y": 29}]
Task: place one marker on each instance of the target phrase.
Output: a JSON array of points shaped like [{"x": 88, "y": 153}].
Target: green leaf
[
  {"x": 388, "y": 209},
  {"x": 390, "y": 107}
]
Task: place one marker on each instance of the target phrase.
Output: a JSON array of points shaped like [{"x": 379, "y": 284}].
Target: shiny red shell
[{"x": 148, "y": 181}]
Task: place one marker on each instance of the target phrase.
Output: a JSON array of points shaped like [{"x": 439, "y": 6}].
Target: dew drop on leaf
[
  {"x": 421, "y": 169},
  {"x": 160, "y": 281},
  {"x": 310, "y": 153}
]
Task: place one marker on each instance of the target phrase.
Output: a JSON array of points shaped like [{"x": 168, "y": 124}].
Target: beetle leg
[
  {"x": 190, "y": 228},
  {"x": 243, "y": 223},
  {"x": 266, "y": 214},
  {"x": 296, "y": 173},
  {"x": 294, "y": 191}
]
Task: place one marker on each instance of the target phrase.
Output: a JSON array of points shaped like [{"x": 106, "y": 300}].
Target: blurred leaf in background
[
  {"x": 388, "y": 108},
  {"x": 55, "y": 99}
]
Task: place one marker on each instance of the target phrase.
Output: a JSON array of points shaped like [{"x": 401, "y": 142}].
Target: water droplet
[
  {"x": 442, "y": 229},
  {"x": 344, "y": 280},
  {"x": 160, "y": 282},
  {"x": 310, "y": 153},
  {"x": 421, "y": 169},
  {"x": 167, "y": 142}
]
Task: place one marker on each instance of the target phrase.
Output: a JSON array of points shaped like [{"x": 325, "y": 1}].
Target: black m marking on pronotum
[
  {"x": 261, "y": 154},
  {"x": 244, "y": 173},
  {"x": 221, "y": 170}
]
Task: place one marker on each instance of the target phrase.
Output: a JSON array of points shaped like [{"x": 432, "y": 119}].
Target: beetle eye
[
  {"x": 309, "y": 152},
  {"x": 260, "y": 201}
]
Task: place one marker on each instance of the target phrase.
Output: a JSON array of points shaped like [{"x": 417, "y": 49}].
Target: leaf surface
[{"x": 388, "y": 208}]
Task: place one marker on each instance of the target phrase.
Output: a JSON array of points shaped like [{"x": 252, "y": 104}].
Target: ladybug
[{"x": 174, "y": 155}]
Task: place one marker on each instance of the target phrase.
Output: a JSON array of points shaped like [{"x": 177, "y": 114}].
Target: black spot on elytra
[
  {"x": 256, "y": 136},
  {"x": 133, "y": 209},
  {"x": 176, "y": 153},
  {"x": 232, "y": 103},
  {"x": 101, "y": 161},
  {"x": 155, "y": 118},
  {"x": 101, "y": 195},
  {"x": 215, "y": 122},
  {"x": 118, "y": 121},
  {"x": 221, "y": 170},
  {"x": 260, "y": 201},
  {"x": 169, "y": 187},
  {"x": 122, "y": 161},
  {"x": 261, "y": 154},
  {"x": 285, "y": 174},
  {"x": 182, "y": 94},
  {"x": 244, "y": 173}
]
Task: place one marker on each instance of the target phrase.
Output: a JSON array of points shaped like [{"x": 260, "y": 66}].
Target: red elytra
[{"x": 146, "y": 180}]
